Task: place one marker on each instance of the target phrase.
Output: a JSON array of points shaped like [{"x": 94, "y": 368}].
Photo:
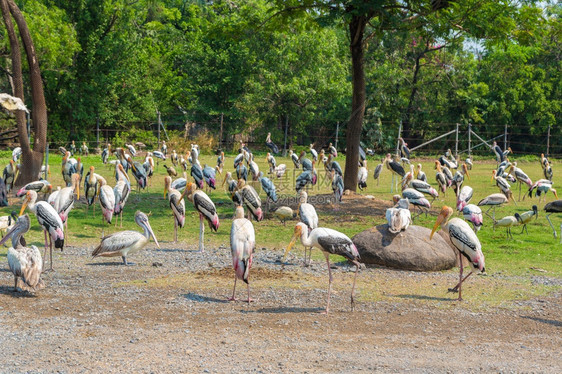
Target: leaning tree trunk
[
  {"x": 31, "y": 158},
  {"x": 355, "y": 125}
]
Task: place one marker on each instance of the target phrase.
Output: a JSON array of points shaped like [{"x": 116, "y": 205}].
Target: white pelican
[
  {"x": 177, "y": 205},
  {"x": 464, "y": 239},
  {"x": 24, "y": 262},
  {"x": 330, "y": 242},
  {"x": 123, "y": 242},
  {"x": 49, "y": 219},
  {"x": 206, "y": 208},
  {"x": 399, "y": 217},
  {"x": 242, "y": 245}
]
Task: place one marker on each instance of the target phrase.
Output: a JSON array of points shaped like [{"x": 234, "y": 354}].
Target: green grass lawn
[{"x": 525, "y": 254}]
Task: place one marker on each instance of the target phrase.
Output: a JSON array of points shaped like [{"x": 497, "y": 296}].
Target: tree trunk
[
  {"x": 355, "y": 125},
  {"x": 31, "y": 158},
  {"x": 407, "y": 131}
]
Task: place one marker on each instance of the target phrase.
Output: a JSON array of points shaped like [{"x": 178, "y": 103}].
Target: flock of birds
[{"x": 52, "y": 213}]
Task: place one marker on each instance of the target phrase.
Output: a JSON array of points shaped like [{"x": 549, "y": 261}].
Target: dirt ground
[{"x": 169, "y": 314}]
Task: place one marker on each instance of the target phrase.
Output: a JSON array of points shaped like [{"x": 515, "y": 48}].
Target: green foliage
[{"x": 135, "y": 135}]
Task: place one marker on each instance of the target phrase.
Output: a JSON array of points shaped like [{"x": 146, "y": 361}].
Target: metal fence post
[
  {"x": 220, "y": 134},
  {"x": 548, "y": 142},
  {"x": 158, "y": 124},
  {"x": 98, "y": 132},
  {"x": 505, "y": 138},
  {"x": 398, "y": 141},
  {"x": 337, "y": 133},
  {"x": 469, "y": 144},
  {"x": 457, "y": 141}
]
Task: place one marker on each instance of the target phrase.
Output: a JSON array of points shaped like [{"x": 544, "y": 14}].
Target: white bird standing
[
  {"x": 309, "y": 217},
  {"x": 465, "y": 240},
  {"x": 107, "y": 202},
  {"x": 206, "y": 208},
  {"x": 24, "y": 262},
  {"x": 123, "y": 242},
  {"x": 330, "y": 242},
  {"x": 399, "y": 217},
  {"x": 242, "y": 245},
  {"x": 177, "y": 204},
  {"x": 50, "y": 221}
]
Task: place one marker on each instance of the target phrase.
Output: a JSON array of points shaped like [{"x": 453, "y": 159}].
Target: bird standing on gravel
[
  {"x": 177, "y": 205},
  {"x": 206, "y": 208},
  {"x": 123, "y": 242},
  {"x": 465, "y": 240},
  {"x": 242, "y": 245},
  {"x": 330, "y": 242}
]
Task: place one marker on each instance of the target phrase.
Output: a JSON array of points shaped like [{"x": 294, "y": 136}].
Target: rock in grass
[{"x": 407, "y": 250}]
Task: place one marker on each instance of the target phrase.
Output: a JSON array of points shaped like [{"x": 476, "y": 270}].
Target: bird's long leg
[
  {"x": 201, "y": 233},
  {"x": 233, "y": 290},
  {"x": 51, "y": 254},
  {"x": 15, "y": 283},
  {"x": 460, "y": 277},
  {"x": 519, "y": 199},
  {"x": 121, "y": 216},
  {"x": 66, "y": 232},
  {"x": 456, "y": 288},
  {"x": 392, "y": 183},
  {"x": 353, "y": 287},
  {"x": 45, "y": 252},
  {"x": 249, "y": 298},
  {"x": 553, "y": 230},
  {"x": 329, "y": 282},
  {"x": 175, "y": 230}
]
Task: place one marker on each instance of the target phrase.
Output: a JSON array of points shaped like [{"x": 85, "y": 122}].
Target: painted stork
[
  {"x": 448, "y": 175},
  {"x": 123, "y": 242},
  {"x": 305, "y": 162},
  {"x": 503, "y": 185},
  {"x": 269, "y": 188},
  {"x": 72, "y": 148},
  {"x": 64, "y": 201},
  {"x": 239, "y": 158},
  {"x": 174, "y": 158},
  {"x": 105, "y": 154},
  {"x": 139, "y": 172},
  {"x": 251, "y": 199},
  {"x": 107, "y": 201},
  {"x": 209, "y": 176},
  {"x": 206, "y": 208},
  {"x": 525, "y": 218},
  {"x": 3, "y": 193},
  {"x": 464, "y": 197},
  {"x": 159, "y": 155},
  {"x": 242, "y": 245},
  {"x": 40, "y": 186},
  {"x": 417, "y": 199},
  {"x": 179, "y": 183},
  {"x": 242, "y": 172},
  {"x": 91, "y": 188},
  {"x": 458, "y": 178},
  {"x": 332, "y": 150},
  {"x": 53, "y": 196},
  {"x": 10, "y": 174},
  {"x": 308, "y": 216},
  {"x": 507, "y": 222},
  {"x": 148, "y": 166},
  {"x": 542, "y": 187},
  {"x": 330, "y": 242},
  {"x": 396, "y": 169},
  {"x": 48, "y": 219},
  {"x": 468, "y": 162},
  {"x": 121, "y": 192},
  {"x": 550, "y": 208},
  {"x": 176, "y": 204},
  {"x": 404, "y": 150},
  {"x": 521, "y": 177},
  {"x": 197, "y": 174},
  {"x": 548, "y": 174},
  {"x": 378, "y": 170},
  {"x": 295, "y": 159},
  {"x": 68, "y": 168},
  {"x": 492, "y": 201},
  {"x": 164, "y": 150},
  {"x": 399, "y": 217},
  {"x": 271, "y": 162},
  {"x": 465, "y": 240},
  {"x": 334, "y": 165},
  {"x": 304, "y": 179},
  {"x": 420, "y": 186},
  {"x": 232, "y": 185},
  {"x": 24, "y": 262},
  {"x": 473, "y": 214},
  {"x": 272, "y": 146},
  {"x": 254, "y": 168},
  {"x": 420, "y": 175},
  {"x": 498, "y": 152},
  {"x": 284, "y": 213},
  {"x": 362, "y": 175},
  {"x": 362, "y": 155},
  {"x": 337, "y": 187},
  {"x": 502, "y": 167},
  {"x": 220, "y": 162},
  {"x": 313, "y": 153},
  {"x": 16, "y": 154},
  {"x": 84, "y": 149},
  {"x": 440, "y": 178},
  {"x": 445, "y": 162}
]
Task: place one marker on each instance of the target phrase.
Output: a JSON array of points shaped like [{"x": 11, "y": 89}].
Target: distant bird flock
[{"x": 187, "y": 179}]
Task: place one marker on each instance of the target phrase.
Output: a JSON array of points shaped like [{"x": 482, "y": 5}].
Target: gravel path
[{"x": 169, "y": 313}]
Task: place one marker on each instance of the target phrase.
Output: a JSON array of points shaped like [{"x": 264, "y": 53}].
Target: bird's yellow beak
[
  {"x": 288, "y": 249},
  {"x": 466, "y": 172},
  {"x": 78, "y": 189},
  {"x": 440, "y": 219},
  {"x": 554, "y": 192},
  {"x": 26, "y": 200},
  {"x": 166, "y": 191}
]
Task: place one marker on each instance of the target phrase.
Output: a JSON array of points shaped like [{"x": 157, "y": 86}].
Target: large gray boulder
[{"x": 407, "y": 250}]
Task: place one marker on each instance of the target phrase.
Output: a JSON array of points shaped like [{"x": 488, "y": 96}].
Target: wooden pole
[
  {"x": 457, "y": 142},
  {"x": 220, "y": 134},
  {"x": 398, "y": 140},
  {"x": 46, "y": 161},
  {"x": 286, "y": 129},
  {"x": 548, "y": 142},
  {"x": 158, "y": 124},
  {"x": 337, "y": 133},
  {"x": 469, "y": 144},
  {"x": 97, "y": 132},
  {"x": 505, "y": 138}
]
